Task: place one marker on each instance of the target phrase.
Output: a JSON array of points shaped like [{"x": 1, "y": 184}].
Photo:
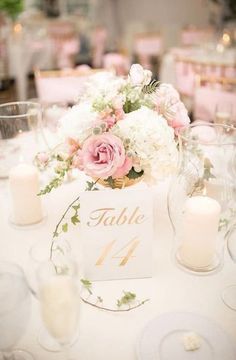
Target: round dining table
[{"x": 106, "y": 335}]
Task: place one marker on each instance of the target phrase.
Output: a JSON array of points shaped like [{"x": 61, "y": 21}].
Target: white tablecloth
[{"x": 105, "y": 335}]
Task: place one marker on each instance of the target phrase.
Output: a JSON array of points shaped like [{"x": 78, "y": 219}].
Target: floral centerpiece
[{"x": 121, "y": 131}]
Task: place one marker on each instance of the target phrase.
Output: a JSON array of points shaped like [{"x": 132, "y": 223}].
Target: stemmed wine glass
[
  {"x": 58, "y": 294},
  {"x": 15, "y": 301},
  {"x": 229, "y": 293}
]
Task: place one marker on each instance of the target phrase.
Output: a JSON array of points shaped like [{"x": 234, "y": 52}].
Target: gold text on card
[
  {"x": 110, "y": 217},
  {"x": 127, "y": 250}
]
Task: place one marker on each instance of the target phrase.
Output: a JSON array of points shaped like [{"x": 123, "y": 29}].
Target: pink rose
[
  {"x": 119, "y": 114},
  {"x": 102, "y": 155},
  {"x": 42, "y": 158},
  {"x": 180, "y": 116},
  {"x": 168, "y": 104},
  {"x": 110, "y": 121},
  {"x": 77, "y": 160},
  {"x": 124, "y": 169}
]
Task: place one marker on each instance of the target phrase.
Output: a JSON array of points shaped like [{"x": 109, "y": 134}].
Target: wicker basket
[{"x": 120, "y": 183}]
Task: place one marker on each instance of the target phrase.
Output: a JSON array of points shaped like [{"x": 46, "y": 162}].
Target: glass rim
[
  {"x": 35, "y": 104},
  {"x": 181, "y": 133}
]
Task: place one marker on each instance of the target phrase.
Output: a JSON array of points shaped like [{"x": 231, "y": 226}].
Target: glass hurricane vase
[{"x": 202, "y": 196}]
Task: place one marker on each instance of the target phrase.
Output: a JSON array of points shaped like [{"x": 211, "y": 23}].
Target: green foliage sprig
[
  {"x": 126, "y": 302},
  {"x": 151, "y": 87}
]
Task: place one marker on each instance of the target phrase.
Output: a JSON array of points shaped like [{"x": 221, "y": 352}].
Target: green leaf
[
  {"x": 134, "y": 174},
  {"x": 151, "y": 87},
  {"x": 128, "y": 298},
  {"x": 75, "y": 219},
  {"x": 87, "y": 284},
  {"x": 65, "y": 227},
  {"x": 76, "y": 207},
  {"x": 54, "y": 183},
  {"x": 207, "y": 169},
  {"x": 131, "y": 106},
  {"x": 111, "y": 182}
]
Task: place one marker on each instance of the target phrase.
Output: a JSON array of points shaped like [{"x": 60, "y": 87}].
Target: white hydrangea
[
  {"x": 103, "y": 85},
  {"x": 151, "y": 141},
  {"x": 78, "y": 122}
]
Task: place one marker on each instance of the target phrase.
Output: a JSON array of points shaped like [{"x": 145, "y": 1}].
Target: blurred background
[{"x": 48, "y": 47}]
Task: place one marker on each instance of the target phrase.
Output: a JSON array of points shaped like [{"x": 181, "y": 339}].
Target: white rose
[
  {"x": 147, "y": 77},
  {"x": 139, "y": 76},
  {"x": 136, "y": 74}
]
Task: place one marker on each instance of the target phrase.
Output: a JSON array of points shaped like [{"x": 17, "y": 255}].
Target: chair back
[
  {"x": 211, "y": 91},
  {"x": 61, "y": 85},
  {"x": 116, "y": 62}
]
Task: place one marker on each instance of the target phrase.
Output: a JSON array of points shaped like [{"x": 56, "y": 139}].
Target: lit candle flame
[
  {"x": 17, "y": 28},
  {"x": 226, "y": 39}
]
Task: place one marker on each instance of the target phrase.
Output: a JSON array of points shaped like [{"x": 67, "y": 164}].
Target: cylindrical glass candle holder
[
  {"x": 20, "y": 131},
  {"x": 202, "y": 196}
]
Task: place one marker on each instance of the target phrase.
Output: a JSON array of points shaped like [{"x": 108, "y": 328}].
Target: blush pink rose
[
  {"x": 102, "y": 155},
  {"x": 124, "y": 169},
  {"x": 119, "y": 114},
  {"x": 110, "y": 121},
  {"x": 180, "y": 116}
]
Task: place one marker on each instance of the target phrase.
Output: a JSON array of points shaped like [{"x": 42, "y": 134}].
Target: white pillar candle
[
  {"x": 24, "y": 187},
  {"x": 199, "y": 231}
]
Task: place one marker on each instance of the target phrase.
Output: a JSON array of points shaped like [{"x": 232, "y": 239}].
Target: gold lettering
[
  {"x": 98, "y": 216},
  {"x": 105, "y": 253},
  {"x": 109, "y": 220},
  {"x": 135, "y": 218},
  {"x": 131, "y": 248},
  {"x": 122, "y": 217},
  {"x": 107, "y": 217}
]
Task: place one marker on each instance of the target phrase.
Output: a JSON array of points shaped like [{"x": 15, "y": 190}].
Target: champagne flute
[
  {"x": 58, "y": 294},
  {"x": 223, "y": 113},
  {"x": 15, "y": 301}
]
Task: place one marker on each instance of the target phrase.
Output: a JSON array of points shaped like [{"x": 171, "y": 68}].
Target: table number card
[{"x": 117, "y": 233}]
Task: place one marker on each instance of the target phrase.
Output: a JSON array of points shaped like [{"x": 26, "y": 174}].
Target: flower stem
[{"x": 114, "y": 310}]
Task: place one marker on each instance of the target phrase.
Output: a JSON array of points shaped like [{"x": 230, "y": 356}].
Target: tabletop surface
[{"x": 107, "y": 335}]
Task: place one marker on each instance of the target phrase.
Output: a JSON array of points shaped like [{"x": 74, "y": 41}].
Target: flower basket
[{"x": 119, "y": 183}]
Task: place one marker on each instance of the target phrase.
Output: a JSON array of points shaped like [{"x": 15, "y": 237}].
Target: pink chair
[
  {"x": 146, "y": 46},
  {"x": 116, "y": 62},
  {"x": 210, "y": 92},
  {"x": 65, "y": 43},
  {"x": 185, "y": 76},
  {"x": 98, "y": 43},
  {"x": 192, "y": 35},
  {"x": 61, "y": 86}
]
